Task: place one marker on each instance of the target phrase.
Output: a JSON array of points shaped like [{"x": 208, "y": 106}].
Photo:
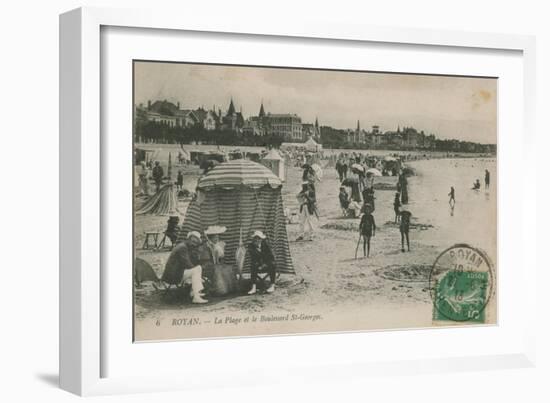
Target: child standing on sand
[
  {"x": 396, "y": 205},
  {"x": 404, "y": 229},
  {"x": 367, "y": 229},
  {"x": 452, "y": 197}
]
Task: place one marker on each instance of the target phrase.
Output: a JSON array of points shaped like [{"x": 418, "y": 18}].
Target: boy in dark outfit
[
  {"x": 261, "y": 261},
  {"x": 396, "y": 205},
  {"x": 404, "y": 229},
  {"x": 367, "y": 228}
]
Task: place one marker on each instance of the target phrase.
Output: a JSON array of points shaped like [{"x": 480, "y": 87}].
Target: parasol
[
  {"x": 373, "y": 172},
  {"x": 215, "y": 230},
  {"x": 350, "y": 181},
  {"x": 408, "y": 171},
  {"x": 358, "y": 167},
  {"x": 318, "y": 172}
]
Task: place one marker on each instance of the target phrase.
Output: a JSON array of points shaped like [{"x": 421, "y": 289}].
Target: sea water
[{"x": 473, "y": 218}]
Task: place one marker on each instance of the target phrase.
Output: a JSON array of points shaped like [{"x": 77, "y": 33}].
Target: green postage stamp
[{"x": 461, "y": 284}]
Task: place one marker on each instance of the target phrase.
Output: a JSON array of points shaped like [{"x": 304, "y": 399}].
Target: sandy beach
[{"x": 333, "y": 291}]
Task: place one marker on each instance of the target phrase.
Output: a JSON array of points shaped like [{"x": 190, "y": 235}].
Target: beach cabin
[
  {"x": 216, "y": 155},
  {"x": 275, "y": 163},
  {"x": 254, "y": 156},
  {"x": 143, "y": 155},
  {"x": 196, "y": 156},
  {"x": 312, "y": 146},
  {"x": 236, "y": 154}
]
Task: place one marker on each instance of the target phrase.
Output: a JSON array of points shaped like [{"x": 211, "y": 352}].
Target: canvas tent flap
[
  {"x": 248, "y": 209},
  {"x": 242, "y": 196},
  {"x": 164, "y": 202}
]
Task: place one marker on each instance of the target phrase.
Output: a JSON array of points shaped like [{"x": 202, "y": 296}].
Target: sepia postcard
[{"x": 278, "y": 200}]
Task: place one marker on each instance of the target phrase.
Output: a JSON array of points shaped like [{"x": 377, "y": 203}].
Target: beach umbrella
[
  {"x": 408, "y": 171},
  {"x": 350, "y": 181},
  {"x": 239, "y": 173},
  {"x": 244, "y": 197},
  {"x": 374, "y": 172}
]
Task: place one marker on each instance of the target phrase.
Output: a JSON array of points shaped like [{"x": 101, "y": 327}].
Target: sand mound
[
  {"x": 409, "y": 273},
  {"x": 351, "y": 225},
  {"x": 385, "y": 186},
  {"x": 418, "y": 226}
]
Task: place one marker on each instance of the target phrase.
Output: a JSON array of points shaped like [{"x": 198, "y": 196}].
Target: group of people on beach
[
  {"x": 146, "y": 170},
  {"x": 476, "y": 186},
  {"x": 307, "y": 199},
  {"x": 362, "y": 191},
  {"x": 187, "y": 265},
  {"x": 367, "y": 225}
]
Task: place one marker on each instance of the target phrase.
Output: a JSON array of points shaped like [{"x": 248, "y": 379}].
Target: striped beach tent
[{"x": 243, "y": 196}]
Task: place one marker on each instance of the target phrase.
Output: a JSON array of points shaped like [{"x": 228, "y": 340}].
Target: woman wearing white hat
[
  {"x": 261, "y": 261},
  {"x": 217, "y": 247},
  {"x": 307, "y": 208}
]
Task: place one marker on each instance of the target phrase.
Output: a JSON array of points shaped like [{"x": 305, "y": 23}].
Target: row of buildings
[
  {"x": 408, "y": 137},
  {"x": 287, "y": 126}
]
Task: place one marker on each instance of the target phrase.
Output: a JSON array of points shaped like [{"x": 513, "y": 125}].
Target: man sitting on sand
[
  {"x": 261, "y": 261},
  {"x": 182, "y": 266}
]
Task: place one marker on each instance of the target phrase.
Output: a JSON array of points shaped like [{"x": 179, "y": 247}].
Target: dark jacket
[
  {"x": 367, "y": 225},
  {"x": 405, "y": 221},
  {"x": 308, "y": 197},
  {"x": 182, "y": 257},
  {"x": 158, "y": 173},
  {"x": 344, "y": 199},
  {"x": 262, "y": 256}
]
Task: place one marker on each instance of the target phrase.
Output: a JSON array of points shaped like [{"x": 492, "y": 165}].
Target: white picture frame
[{"x": 86, "y": 345}]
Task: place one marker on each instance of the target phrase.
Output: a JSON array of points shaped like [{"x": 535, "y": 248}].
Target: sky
[{"x": 463, "y": 108}]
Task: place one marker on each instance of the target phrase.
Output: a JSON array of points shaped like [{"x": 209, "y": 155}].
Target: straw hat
[
  {"x": 195, "y": 234},
  {"x": 215, "y": 230},
  {"x": 258, "y": 234}
]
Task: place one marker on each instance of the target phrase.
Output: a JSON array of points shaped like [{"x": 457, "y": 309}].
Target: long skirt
[{"x": 306, "y": 223}]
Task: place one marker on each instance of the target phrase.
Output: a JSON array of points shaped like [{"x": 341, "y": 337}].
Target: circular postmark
[{"x": 461, "y": 284}]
